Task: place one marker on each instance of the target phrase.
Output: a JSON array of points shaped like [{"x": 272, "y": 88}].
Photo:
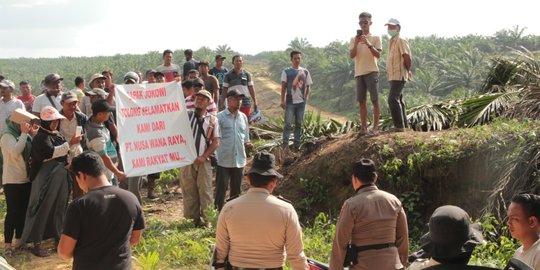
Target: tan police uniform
[
  {"x": 257, "y": 229},
  {"x": 372, "y": 217}
]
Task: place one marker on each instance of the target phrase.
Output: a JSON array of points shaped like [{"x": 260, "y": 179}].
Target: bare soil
[{"x": 167, "y": 207}]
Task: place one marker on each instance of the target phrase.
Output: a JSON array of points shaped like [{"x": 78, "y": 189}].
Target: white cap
[
  {"x": 7, "y": 84},
  {"x": 392, "y": 21}
]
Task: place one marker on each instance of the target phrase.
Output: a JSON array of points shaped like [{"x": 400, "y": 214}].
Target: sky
[{"x": 53, "y": 28}]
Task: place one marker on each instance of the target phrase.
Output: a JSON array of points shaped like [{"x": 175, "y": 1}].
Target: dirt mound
[{"x": 319, "y": 179}]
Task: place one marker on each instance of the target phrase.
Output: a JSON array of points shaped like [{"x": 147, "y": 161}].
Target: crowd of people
[{"x": 67, "y": 145}]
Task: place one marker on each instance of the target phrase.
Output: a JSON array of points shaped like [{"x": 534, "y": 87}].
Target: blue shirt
[{"x": 231, "y": 152}]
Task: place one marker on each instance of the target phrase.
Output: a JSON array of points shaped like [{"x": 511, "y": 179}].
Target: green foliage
[
  {"x": 318, "y": 238},
  {"x": 498, "y": 247},
  {"x": 178, "y": 245},
  {"x": 316, "y": 193}
]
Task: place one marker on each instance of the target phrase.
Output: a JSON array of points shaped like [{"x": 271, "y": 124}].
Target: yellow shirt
[
  {"x": 364, "y": 61},
  {"x": 395, "y": 67}
]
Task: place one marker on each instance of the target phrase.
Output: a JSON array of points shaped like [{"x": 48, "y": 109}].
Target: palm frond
[
  {"x": 482, "y": 109},
  {"x": 436, "y": 116}
]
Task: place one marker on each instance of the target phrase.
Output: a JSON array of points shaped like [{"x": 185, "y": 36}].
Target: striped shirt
[
  {"x": 209, "y": 123},
  {"x": 395, "y": 67},
  {"x": 190, "y": 105}
]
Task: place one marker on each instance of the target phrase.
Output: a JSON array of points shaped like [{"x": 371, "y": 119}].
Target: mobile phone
[{"x": 359, "y": 32}]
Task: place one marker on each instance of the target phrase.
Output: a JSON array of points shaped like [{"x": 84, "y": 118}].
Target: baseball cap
[
  {"x": 205, "y": 93},
  {"x": 96, "y": 92},
  {"x": 7, "y": 84},
  {"x": 264, "y": 163},
  {"x": 151, "y": 71},
  {"x": 131, "y": 76},
  {"x": 102, "y": 106},
  {"x": 198, "y": 82},
  {"x": 69, "y": 97},
  {"x": 52, "y": 78},
  {"x": 392, "y": 21},
  {"x": 234, "y": 93},
  {"x": 219, "y": 56},
  {"x": 187, "y": 84}
]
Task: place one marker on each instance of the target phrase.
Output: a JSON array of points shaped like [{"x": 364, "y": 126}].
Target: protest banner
[{"x": 154, "y": 129}]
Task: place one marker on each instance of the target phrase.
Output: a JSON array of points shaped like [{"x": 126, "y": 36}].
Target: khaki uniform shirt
[
  {"x": 372, "y": 217},
  {"x": 364, "y": 61},
  {"x": 395, "y": 67},
  {"x": 257, "y": 229}
]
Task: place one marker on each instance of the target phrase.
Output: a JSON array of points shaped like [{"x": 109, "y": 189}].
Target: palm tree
[
  {"x": 224, "y": 50},
  {"x": 300, "y": 44}
]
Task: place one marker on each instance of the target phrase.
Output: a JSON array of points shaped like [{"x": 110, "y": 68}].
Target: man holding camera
[{"x": 366, "y": 49}]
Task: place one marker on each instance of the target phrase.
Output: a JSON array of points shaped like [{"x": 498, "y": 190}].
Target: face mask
[{"x": 392, "y": 33}]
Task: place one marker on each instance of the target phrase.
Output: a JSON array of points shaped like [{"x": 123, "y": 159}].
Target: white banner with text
[{"x": 153, "y": 127}]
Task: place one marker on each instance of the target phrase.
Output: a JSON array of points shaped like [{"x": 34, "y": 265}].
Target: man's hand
[
  {"x": 283, "y": 105},
  {"x": 121, "y": 176},
  {"x": 199, "y": 160},
  {"x": 248, "y": 145},
  {"x": 75, "y": 140}
]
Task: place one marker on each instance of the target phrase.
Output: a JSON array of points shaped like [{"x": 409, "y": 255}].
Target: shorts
[{"x": 368, "y": 82}]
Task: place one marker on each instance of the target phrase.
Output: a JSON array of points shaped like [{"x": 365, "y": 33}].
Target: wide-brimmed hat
[
  {"x": 49, "y": 113},
  {"x": 451, "y": 235},
  {"x": 95, "y": 77},
  {"x": 264, "y": 163}
]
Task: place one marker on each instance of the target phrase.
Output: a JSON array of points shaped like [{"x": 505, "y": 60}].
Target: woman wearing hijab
[
  {"x": 50, "y": 183},
  {"x": 16, "y": 144}
]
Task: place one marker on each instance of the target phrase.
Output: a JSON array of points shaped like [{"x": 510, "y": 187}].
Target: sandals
[
  {"x": 40, "y": 252},
  {"x": 8, "y": 252}
]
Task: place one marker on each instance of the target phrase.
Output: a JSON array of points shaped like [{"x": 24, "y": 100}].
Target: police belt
[
  {"x": 376, "y": 246},
  {"x": 244, "y": 268}
]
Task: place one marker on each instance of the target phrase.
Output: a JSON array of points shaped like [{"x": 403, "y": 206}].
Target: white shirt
[
  {"x": 531, "y": 257},
  {"x": 14, "y": 164},
  {"x": 68, "y": 128},
  {"x": 42, "y": 101}
]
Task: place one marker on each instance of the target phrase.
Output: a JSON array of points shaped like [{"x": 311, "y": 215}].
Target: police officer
[
  {"x": 374, "y": 221},
  {"x": 256, "y": 229}
]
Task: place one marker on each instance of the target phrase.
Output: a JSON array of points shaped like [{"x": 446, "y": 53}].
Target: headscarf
[{"x": 14, "y": 129}]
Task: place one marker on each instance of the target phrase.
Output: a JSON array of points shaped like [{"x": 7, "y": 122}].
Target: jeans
[
  {"x": 223, "y": 176},
  {"x": 396, "y": 104},
  {"x": 296, "y": 111}
]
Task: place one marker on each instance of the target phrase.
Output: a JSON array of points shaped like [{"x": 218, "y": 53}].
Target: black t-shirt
[{"x": 102, "y": 221}]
